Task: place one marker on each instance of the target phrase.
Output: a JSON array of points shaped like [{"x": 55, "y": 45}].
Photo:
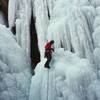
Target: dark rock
[{"x": 4, "y": 5}]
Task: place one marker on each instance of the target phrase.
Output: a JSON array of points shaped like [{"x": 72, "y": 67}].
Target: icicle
[
  {"x": 41, "y": 15},
  {"x": 12, "y": 12},
  {"x": 18, "y": 31}
]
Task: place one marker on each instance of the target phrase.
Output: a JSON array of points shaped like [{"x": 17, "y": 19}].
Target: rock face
[
  {"x": 4, "y": 4},
  {"x": 4, "y": 10},
  {"x": 34, "y": 52},
  {"x": 2, "y": 18}
]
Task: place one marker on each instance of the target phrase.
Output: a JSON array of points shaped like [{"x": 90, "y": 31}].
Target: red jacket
[{"x": 48, "y": 45}]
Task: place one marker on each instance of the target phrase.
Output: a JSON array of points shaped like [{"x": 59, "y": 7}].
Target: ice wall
[
  {"x": 69, "y": 78},
  {"x": 74, "y": 26},
  {"x": 15, "y": 70},
  {"x": 71, "y": 27},
  {"x": 19, "y": 16},
  {"x": 42, "y": 21},
  {"x": 96, "y": 33},
  {"x": 70, "y": 23}
]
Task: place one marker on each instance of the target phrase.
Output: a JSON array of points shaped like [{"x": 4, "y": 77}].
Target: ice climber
[{"x": 49, "y": 48}]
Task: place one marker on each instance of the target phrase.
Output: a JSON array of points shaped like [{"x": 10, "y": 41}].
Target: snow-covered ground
[{"x": 15, "y": 72}]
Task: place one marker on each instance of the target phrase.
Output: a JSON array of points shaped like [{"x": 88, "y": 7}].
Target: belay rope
[{"x": 48, "y": 86}]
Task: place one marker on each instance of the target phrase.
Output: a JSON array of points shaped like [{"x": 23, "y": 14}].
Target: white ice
[
  {"x": 15, "y": 70},
  {"x": 74, "y": 25},
  {"x": 68, "y": 79},
  {"x": 19, "y": 15}
]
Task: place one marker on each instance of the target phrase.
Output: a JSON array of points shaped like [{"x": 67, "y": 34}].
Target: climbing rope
[
  {"x": 48, "y": 86},
  {"x": 48, "y": 81}
]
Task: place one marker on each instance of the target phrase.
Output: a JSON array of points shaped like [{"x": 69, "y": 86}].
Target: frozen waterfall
[
  {"x": 69, "y": 78},
  {"x": 19, "y": 16},
  {"x": 74, "y": 25}
]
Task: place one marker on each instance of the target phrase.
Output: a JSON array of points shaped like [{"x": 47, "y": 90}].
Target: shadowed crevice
[{"x": 35, "y": 53}]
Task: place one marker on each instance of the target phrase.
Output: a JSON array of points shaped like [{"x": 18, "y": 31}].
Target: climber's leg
[{"x": 48, "y": 60}]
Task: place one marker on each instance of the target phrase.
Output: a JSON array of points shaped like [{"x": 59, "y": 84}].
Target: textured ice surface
[
  {"x": 70, "y": 78},
  {"x": 15, "y": 72},
  {"x": 75, "y": 26}
]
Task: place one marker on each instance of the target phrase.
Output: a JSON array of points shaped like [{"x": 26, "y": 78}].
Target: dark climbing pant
[{"x": 49, "y": 57}]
